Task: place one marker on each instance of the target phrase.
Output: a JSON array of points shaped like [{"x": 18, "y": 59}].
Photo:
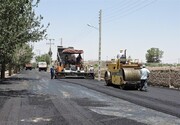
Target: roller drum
[{"x": 131, "y": 74}]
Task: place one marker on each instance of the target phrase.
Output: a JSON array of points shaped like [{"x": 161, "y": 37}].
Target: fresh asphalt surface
[{"x": 32, "y": 98}]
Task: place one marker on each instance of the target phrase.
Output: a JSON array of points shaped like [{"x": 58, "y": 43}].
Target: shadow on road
[
  {"x": 129, "y": 87},
  {"x": 12, "y": 79},
  {"x": 15, "y": 93}
]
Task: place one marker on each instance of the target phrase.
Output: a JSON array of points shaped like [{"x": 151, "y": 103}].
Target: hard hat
[{"x": 143, "y": 66}]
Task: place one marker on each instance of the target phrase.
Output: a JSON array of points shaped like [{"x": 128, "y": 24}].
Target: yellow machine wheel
[{"x": 107, "y": 78}]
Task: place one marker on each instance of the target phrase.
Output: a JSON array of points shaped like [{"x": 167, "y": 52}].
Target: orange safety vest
[{"x": 59, "y": 68}]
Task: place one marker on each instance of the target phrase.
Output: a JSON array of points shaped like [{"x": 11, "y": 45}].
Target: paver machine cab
[
  {"x": 70, "y": 64},
  {"x": 122, "y": 73}
]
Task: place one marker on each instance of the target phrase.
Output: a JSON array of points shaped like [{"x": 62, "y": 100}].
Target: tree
[
  {"x": 154, "y": 55},
  {"x": 19, "y": 25},
  {"x": 22, "y": 55},
  {"x": 43, "y": 58}
]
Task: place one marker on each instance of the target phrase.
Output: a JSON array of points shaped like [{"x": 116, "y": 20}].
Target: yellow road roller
[{"x": 122, "y": 73}]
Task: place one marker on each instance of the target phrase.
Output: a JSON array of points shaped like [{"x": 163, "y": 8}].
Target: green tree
[
  {"x": 154, "y": 55},
  {"x": 43, "y": 58},
  {"x": 22, "y": 55},
  {"x": 19, "y": 25}
]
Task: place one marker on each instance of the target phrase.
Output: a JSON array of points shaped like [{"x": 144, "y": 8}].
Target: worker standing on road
[
  {"x": 52, "y": 72},
  {"x": 91, "y": 71},
  {"x": 144, "y": 76}
]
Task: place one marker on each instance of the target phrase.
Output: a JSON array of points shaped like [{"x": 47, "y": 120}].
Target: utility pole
[
  {"x": 50, "y": 42},
  {"x": 99, "y": 66},
  {"x": 50, "y": 52},
  {"x": 99, "y": 52},
  {"x": 61, "y": 41}
]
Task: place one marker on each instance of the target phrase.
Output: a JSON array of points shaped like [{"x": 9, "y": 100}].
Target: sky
[{"x": 135, "y": 25}]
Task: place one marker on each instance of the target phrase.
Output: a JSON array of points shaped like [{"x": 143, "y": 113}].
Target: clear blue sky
[{"x": 135, "y": 25}]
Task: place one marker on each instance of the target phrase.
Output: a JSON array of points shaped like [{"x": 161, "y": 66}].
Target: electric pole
[
  {"x": 50, "y": 52},
  {"x": 61, "y": 41},
  {"x": 99, "y": 66},
  {"x": 99, "y": 52}
]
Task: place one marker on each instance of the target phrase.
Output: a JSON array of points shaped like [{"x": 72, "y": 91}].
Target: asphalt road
[{"x": 32, "y": 98}]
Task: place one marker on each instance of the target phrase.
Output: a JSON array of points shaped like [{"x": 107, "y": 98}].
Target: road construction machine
[
  {"x": 123, "y": 73},
  {"x": 70, "y": 64}
]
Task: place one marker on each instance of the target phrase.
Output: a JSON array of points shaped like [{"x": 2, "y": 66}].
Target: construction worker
[
  {"x": 144, "y": 76},
  {"x": 52, "y": 71},
  {"x": 91, "y": 71},
  {"x": 122, "y": 56}
]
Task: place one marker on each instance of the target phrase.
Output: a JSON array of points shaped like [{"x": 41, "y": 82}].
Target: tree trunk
[
  {"x": 3, "y": 70},
  {"x": 15, "y": 69},
  {"x": 10, "y": 69}
]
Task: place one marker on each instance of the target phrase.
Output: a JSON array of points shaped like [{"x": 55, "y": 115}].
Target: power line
[
  {"x": 83, "y": 31},
  {"x": 117, "y": 5},
  {"x": 129, "y": 11},
  {"x": 125, "y": 8},
  {"x": 121, "y": 8}
]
